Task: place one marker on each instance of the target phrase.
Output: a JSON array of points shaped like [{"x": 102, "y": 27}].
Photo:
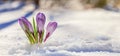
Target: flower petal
[
  {"x": 50, "y": 29},
  {"x": 25, "y": 24},
  {"x": 21, "y": 24},
  {"x": 40, "y": 19}
]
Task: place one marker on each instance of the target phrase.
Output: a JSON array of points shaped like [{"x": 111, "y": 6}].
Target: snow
[
  {"x": 93, "y": 32},
  {"x": 6, "y": 17},
  {"x": 11, "y": 5}
]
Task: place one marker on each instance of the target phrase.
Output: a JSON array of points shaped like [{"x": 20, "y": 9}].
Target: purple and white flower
[{"x": 35, "y": 33}]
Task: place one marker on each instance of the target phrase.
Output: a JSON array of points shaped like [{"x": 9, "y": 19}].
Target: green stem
[{"x": 42, "y": 35}]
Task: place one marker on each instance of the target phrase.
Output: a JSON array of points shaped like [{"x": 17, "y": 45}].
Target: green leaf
[
  {"x": 31, "y": 37},
  {"x": 35, "y": 31},
  {"x": 34, "y": 24}
]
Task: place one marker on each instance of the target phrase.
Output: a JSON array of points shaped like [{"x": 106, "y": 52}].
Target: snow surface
[
  {"x": 11, "y": 5},
  {"x": 79, "y": 33},
  {"x": 12, "y": 15}
]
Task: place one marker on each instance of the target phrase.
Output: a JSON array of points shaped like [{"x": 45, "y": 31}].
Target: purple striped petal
[
  {"x": 21, "y": 24},
  {"x": 40, "y": 19},
  {"x": 50, "y": 29},
  {"x": 25, "y": 24},
  {"x": 29, "y": 25}
]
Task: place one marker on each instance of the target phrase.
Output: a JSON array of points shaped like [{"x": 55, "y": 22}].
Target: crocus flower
[
  {"x": 50, "y": 29},
  {"x": 40, "y": 19},
  {"x": 27, "y": 27},
  {"x": 35, "y": 32}
]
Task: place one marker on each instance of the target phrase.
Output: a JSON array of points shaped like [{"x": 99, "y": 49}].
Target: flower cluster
[{"x": 35, "y": 32}]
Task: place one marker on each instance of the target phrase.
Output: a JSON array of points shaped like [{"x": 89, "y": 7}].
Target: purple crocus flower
[
  {"x": 25, "y": 24},
  {"x": 50, "y": 29},
  {"x": 27, "y": 27},
  {"x": 35, "y": 34},
  {"x": 40, "y": 19}
]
